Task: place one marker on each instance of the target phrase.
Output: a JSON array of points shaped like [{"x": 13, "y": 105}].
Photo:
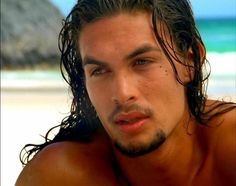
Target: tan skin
[
  {"x": 191, "y": 154},
  {"x": 72, "y": 164}
]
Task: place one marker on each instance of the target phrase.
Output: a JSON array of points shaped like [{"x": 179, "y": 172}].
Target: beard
[{"x": 140, "y": 150}]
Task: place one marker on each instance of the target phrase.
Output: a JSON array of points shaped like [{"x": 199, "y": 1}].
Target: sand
[{"x": 25, "y": 115}]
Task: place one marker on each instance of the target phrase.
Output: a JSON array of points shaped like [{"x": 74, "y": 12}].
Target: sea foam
[{"x": 222, "y": 81}]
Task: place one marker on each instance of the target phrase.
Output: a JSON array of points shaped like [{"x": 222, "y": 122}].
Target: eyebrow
[
  {"x": 90, "y": 60},
  {"x": 140, "y": 50}
]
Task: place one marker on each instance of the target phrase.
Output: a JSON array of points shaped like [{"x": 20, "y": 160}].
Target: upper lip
[{"x": 129, "y": 117}]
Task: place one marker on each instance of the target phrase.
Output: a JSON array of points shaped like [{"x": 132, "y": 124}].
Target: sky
[{"x": 201, "y": 8}]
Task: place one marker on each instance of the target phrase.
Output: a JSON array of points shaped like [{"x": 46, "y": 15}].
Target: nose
[{"x": 124, "y": 90}]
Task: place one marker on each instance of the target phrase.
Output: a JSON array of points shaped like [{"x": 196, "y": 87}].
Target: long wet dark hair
[{"x": 175, "y": 19}]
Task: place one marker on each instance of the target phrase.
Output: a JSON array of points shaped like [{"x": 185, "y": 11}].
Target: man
[{"x": 139, "y": 114}]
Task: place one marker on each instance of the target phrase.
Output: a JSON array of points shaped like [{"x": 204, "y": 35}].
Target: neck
[{"x": 173, "y": 161}]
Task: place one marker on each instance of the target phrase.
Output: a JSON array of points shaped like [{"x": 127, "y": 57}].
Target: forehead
[
  {"x": 120, "y": 20},
  {"x": 119, "y": 33}
]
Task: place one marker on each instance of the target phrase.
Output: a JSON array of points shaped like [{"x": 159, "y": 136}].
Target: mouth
[{"x": 131, "y": 122}]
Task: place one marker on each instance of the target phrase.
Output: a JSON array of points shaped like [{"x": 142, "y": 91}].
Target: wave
[
  {"x": 222, "y": 81},
  {"x": 222, "y": 63}
]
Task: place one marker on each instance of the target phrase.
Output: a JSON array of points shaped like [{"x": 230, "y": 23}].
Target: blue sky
[{"x": 202, "y": 8}]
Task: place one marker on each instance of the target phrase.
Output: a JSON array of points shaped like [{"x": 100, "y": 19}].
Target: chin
[{"x": 139, "y": 149}]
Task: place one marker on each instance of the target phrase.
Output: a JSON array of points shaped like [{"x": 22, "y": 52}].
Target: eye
[
  {"x": 142, "y": 62},
  {"x": 99, "y": 71}
]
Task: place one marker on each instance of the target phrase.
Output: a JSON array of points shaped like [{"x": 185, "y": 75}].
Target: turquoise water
[{"x": 219, "y": 35}]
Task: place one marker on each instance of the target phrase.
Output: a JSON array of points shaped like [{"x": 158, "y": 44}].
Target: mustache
[{"x": 130, "y": 108}]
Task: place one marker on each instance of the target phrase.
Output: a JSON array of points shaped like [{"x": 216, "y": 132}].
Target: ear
[
  {"x": 202, "y": 53},
  {"x": 190, "y": 69}
]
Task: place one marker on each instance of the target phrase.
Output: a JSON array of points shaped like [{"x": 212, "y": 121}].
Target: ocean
[
  {"x": 26, "y": 115},
  {"x": 219, "y": 36}
]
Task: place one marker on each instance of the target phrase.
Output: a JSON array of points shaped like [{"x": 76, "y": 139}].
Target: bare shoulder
[
  {"x": 226, "y": 131},
  {"x": 71, "y": 163},
  {"x": 225, "y": 146},
  {"x": 226, "y": 134}
]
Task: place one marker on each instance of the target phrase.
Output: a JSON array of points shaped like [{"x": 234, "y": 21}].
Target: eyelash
[
  {"x": 97, "y": 71},
  {"x": 142, "y": 62}
]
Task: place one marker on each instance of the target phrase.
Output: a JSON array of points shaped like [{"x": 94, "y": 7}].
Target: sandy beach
[{"x": 25, "y": 115}]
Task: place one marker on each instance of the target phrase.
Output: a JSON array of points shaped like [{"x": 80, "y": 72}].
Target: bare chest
[{"x": 206, "y": 177}]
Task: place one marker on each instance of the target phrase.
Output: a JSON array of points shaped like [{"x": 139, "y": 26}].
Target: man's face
[{"x": 130, "y": 82}]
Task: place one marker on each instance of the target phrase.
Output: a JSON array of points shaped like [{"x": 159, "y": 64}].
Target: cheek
[
  {"x": 161, "y": 84},
  {"x": 98, "y": 98},
  {"x": 93, "y": 94},
  {"x": 160, "y": 75},
  {"x": 185, "y": 73}
]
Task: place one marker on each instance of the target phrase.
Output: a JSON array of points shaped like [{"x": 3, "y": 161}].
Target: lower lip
[{"x": 132, "y": 127}]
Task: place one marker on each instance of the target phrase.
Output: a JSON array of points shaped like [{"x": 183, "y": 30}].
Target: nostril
[
  {"x": 116, "y": 101},
  {"x": 125, "y": 101},
  {"x": 131, "y": 98}
]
